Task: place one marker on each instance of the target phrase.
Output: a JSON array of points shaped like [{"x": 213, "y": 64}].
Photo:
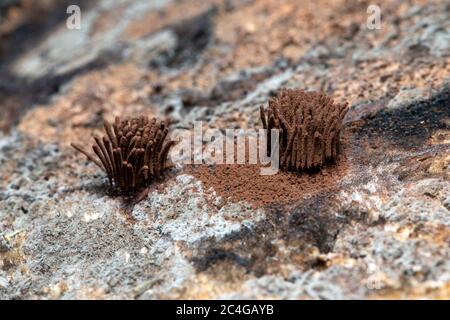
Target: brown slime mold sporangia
[
  {"x": 132, "y": 153},
  {"x": 309, "y": 124}
]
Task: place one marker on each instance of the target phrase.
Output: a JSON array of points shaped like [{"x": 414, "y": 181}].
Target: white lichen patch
[
  {"x": 185, "y": 212},
  {"x": 298, "y": 285}
]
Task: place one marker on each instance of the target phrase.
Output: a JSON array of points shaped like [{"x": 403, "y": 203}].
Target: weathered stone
[{"x": 381, "y": 229}]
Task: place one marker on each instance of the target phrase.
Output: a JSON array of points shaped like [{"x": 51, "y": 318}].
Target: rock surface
[{"x": 381, "y": 229}]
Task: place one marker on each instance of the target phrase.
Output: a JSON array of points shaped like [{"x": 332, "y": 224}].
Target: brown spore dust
[
  {"x": 309, "y": 125},
  {"x": 133, "y": 152}
]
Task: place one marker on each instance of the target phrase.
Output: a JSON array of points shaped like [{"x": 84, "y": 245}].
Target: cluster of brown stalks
[
  {"x": 309, "y": 124},
  {"x": 132, "y": 153}
]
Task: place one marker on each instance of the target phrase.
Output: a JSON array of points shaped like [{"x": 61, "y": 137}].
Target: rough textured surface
[
  {"x": 133, "y": 152},
  {"x": 380, "y": 230}
]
